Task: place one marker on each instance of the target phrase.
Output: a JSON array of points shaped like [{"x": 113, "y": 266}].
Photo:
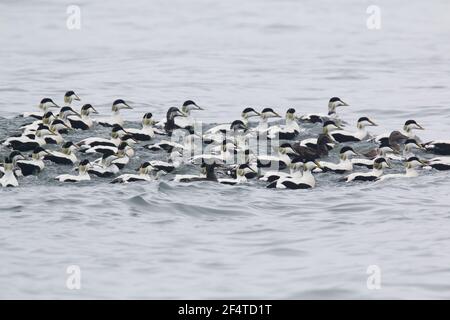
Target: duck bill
[
  {"x": 251, "y": 169},
  {"x": 344, "y": 104},
  {"x": 318, "y": 164},
  {"x": 253, "y": 113},
  {"x": 69, "y": 128},
  {"x": 126, "y": 106},
  {"x": 122, "y": 129},
  {"x": 276, "y": 115},
  {"x": 373, "y": 123},
  {"x": 419, "y": 127},
  {"x": 20, "y": 157},
  {"x": 420, "y": 146},
  {"x": 94, "y": 110},
  {"x": 77, "y": 98},
  {"x": 198, "y": 107}
]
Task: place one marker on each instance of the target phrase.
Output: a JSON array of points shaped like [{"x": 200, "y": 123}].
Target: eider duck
[
  {"x": 377, "y": 171},
  {"x": 105, "y": 166},
  {"x": 83, "y": 174},
  {"x": 44, "y": 106},
  {"x": 439, "y": 163},
  {"x": 344, "y": 165},
  {"x": 206, "y": 174},
  {"x": 294, "y": 172},
  {"x": 8, "y": 179},
  {"x": 362, "y": 134},
  {"x": 65, "y": 157},
  {"x": 14, "y": 156},
  {"x": 117, "y": 105},
  {"x": 287, "y": 132},
  {"x": 187, "y": 121},
  {"x": 170, "y": 124},
  {"x": 305, "y": 181},
  {"x": 398, "y": 137},
  {"x": 245, "y": 115},
  {"x": 265, "y": 115},
  {"x": 441, "y": 147},
  {"x": 380, "y": 152},
  {"x": 333, "y": 104},
  {"x": 147, "y": 132},
  {"x": 83, "y": 121},
  {"x": 34, "y": 165},
  {"x": 410, "y": 165},
  {"x": 240, "y": 175},
  {"x": 313, "y": 151},
  {"x": 327, "y": 127},
  {"x": 281, "y": 161},
  {"x": 144, "y": 175}
]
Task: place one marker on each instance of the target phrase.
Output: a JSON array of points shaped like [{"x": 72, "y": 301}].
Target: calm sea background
[{"x": 164, "y": 240}]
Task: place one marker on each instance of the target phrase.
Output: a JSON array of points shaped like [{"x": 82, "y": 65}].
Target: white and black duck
[
  {"x": 377, "y": 171},
  {"x": 45, "y": 105},
  {"x": 241, "y": 172},
  {"x": 360, "y": 135},
  {"x": 345, "y": 164},
  {"x": 440, "y": 163},
  {"x": 117, "y": 133},
  {"x": 410, "y": 170},
  {"x": 287, "y": 132},
  {"x": 144, "y": 175},
  {"x": 170, "y": 126},
  {"x": 29, "y": 142},
  {"x": 246, "y": 114},
  {"x": 333, "y": 104},
  {"x": 66, "y": 156},
  {"x": 440, "y": 147},
  {"x": 116, "y": 117},
  {"x": 304, "y": 181},
  {"x": 281, "y": 161},
  {"x": 327, "y": 128},
  {"x": 147, "y": 132},
  {"x": 14, "y": 156},
  {"x": 83, "y": 174},
  {"x": 83, "y": 121},
  {"x": 263, "y": 125},
  {"x": 105, "y": 166},
  {"x": 34, "y": 165},
  {"x": 381, "y": 152},
  {"x": 8, "y": 178}
]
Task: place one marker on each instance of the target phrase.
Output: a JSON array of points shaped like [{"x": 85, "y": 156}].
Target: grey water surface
[{"x": 204, "y": 240}]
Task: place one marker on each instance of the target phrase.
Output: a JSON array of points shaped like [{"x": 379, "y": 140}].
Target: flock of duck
[{"x": 223, "y": 153}]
